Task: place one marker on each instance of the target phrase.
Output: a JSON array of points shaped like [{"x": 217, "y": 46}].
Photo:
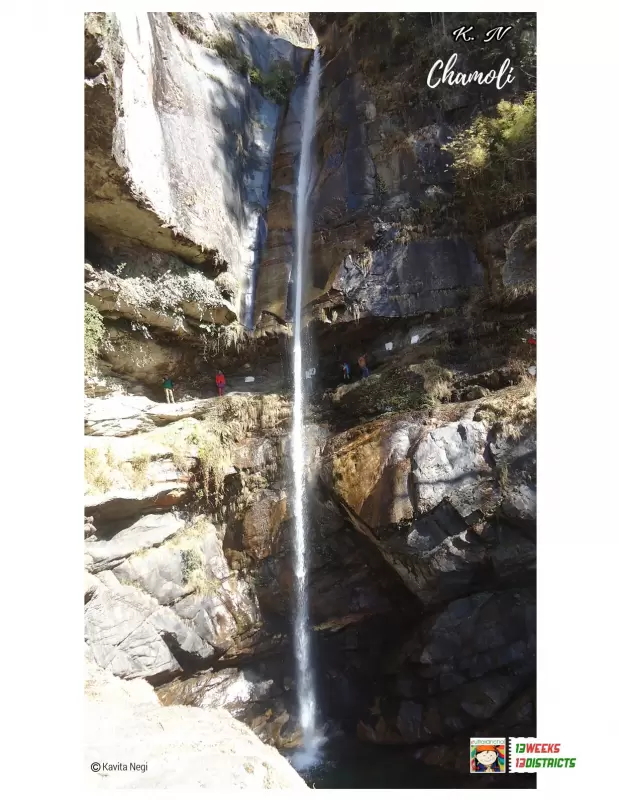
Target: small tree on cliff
[
  {"x": 94, "y": 331},
  {"x": 494, "y": 164}
]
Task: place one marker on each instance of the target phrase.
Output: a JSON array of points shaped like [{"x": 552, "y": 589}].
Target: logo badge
[{"x": 487, "y": 755}]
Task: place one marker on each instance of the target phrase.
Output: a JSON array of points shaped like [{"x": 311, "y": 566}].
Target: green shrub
[
  {"x": 256, "y": 78},
  {"x": 94, "y": 331},
  {"x": 195, "y": 576},
  {"x": 277, "y": 84},
  {"x": 225, "y": 46},
  {"x": 494, "y": 164},
  {"x": 228, "y": 50}
]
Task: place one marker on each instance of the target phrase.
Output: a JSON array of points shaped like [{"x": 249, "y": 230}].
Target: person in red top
[{"x": 220, "y": 380}]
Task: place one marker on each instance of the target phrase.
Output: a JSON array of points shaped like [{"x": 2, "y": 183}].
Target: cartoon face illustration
[{"x": 487, "y": 757}]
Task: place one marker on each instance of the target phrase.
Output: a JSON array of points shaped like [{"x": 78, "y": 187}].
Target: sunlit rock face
[
  {"x": 161, "y": 596},
  {"x": 179, "y": 143}
]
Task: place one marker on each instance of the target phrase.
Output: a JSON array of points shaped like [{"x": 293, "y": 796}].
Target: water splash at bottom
[{"x": 309, "y": 756}]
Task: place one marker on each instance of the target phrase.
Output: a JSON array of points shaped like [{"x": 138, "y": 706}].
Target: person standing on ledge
[
  {"x": 220, "y": 380},
  {"x": 346, "y": 370},
  {"x": 168, "y": 386},
  {"x": 363, "y": 366}
]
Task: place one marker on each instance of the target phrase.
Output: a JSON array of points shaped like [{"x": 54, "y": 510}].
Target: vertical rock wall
[{"x": 182, "y": 159}]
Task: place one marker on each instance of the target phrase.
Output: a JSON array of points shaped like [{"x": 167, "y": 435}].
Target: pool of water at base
[{"x": 347, "y": 763}]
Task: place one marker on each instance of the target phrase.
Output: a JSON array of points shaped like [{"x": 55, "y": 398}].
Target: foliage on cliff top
[
  {"x": 294, "y": 26},
  {"x": 188, "y": 23},
  {"x": 94, "y": 332},
  {"x": 494, "y": 164}
]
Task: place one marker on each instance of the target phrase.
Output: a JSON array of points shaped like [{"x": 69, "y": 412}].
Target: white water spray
[{"x": 305, "y": 681}]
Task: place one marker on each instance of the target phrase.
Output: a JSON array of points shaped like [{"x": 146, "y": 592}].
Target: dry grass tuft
[
  {"x": 510, "y": 410},
  {"x": 194, "y": 567},
  {"x": 139, "y": 471},
  {"x": 437, "y": 381},
  {"x": 96, "y": 471}
]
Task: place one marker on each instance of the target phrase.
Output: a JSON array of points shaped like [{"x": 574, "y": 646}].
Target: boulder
[
  {"x": 131, "y": 475},
  {"x": 231, "y": 688},
  {"x": 181, "y": 748},
  {"x": 121, "y": 504},
  {"x": 473, "y": 627},
  {"x": 126, "y": 629},
  {"x": 440, "y": 557},
  {"x": 262, "y": 704},
  {"x": 143, "y": 359},
  {"x": 116, "y": 416},
  {"x": 451, "y": 463},
  {"x": 368, "y": 468}
]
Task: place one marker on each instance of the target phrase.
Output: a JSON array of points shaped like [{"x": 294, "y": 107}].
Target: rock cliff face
[
  {"x": 421, "y": 478},
  {"x": 387, "y": 239},
  {"x": 179, "y": 145}
]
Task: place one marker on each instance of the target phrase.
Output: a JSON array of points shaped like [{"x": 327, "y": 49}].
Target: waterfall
[{"x": 305, "y": 680}]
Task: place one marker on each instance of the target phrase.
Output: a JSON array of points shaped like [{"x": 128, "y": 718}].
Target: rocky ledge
[{"x": 181, "y": 747}]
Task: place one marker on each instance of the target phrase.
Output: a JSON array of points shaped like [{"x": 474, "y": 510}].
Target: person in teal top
[{"x": 168, "y": 386}]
